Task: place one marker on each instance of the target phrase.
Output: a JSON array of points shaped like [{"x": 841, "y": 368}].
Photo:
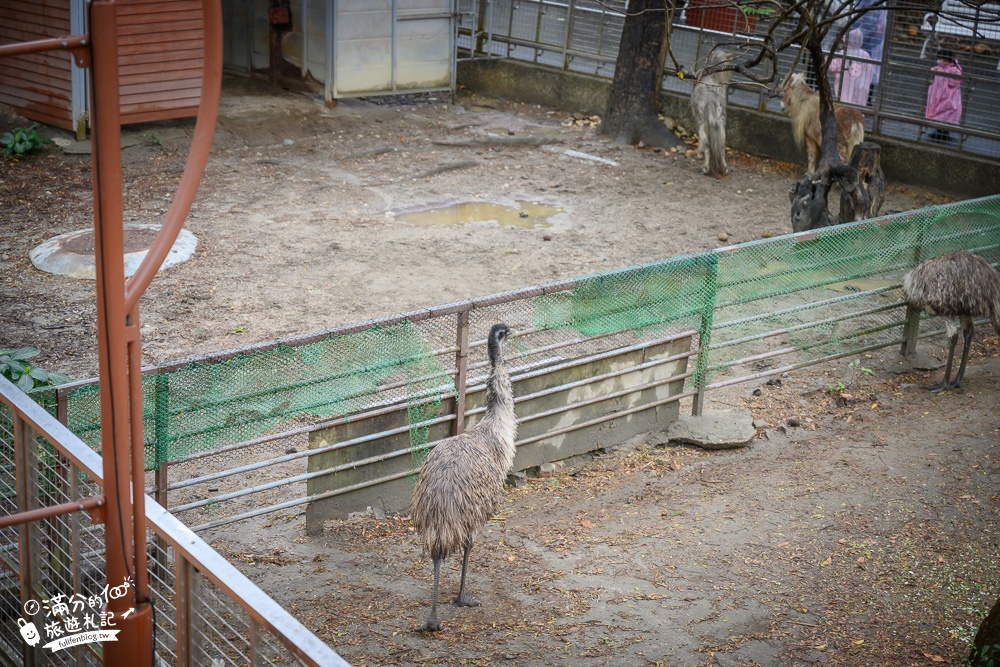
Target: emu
[
  {"x": 461, "y": 483},
  {"x": 957, "y": 286}
]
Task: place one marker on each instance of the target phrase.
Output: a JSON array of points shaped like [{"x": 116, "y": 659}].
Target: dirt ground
[{"x": 865, "y": 535}]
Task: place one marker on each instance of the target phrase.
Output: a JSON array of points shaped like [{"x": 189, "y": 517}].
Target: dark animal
[
  {"x": 461, "y": 483},
  {"x": 708, "y": 106},
  {"x": 957, "y": 286},
  {"x": 802, "y": 104}
]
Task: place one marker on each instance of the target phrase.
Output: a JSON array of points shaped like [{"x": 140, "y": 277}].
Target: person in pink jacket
[
  {"x": 855, "y": 70},
  {"x": 944, "y": 96}
]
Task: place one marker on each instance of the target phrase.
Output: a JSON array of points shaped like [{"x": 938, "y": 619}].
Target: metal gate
[{"x": 390, "y": 46}]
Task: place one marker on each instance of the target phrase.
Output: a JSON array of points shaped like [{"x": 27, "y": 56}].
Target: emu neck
[{"x": 499, "y": 418}]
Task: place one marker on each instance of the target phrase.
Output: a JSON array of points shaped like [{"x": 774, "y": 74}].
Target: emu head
[{"x": 494, "y": 342}]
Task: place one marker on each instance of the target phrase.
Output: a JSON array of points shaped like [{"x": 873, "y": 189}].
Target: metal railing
[
  {"x": 204, "y": 608},
  {"x": 753, "y": 310},
  {"x": 583, "y": 35}
]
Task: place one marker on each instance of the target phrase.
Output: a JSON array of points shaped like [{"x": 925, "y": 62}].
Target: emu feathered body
[
  {"x": 960, "y": 287},
  {"x": 461, "y": 483}
]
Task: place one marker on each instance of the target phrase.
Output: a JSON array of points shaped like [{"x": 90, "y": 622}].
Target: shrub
[
  {"x": 13, "y": 366},
  {"x": 22, "y": 140}
]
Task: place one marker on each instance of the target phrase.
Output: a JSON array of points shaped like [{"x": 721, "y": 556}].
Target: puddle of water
[{"x": 473, "y": 211}]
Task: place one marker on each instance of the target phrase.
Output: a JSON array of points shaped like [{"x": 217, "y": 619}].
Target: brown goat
[{"x": 802, "y": 104}]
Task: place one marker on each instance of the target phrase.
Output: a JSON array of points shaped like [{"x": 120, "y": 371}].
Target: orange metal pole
[
  {"x": 67, "y": 43},
  {"x": 134, "y": 645}
]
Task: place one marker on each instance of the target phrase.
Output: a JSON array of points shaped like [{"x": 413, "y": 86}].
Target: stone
[
  {"x": 920, "y": 361},
  {"x": 550, "y": 469},
  {"x": 714, "y": 429}
]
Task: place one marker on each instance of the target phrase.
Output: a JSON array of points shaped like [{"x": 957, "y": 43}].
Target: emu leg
[
  {"x": 967, "y": 336},
  {"x": 433, "y": 624},
  {"x": 946, "y": 384},
  {"x": 463, "y": 599}
]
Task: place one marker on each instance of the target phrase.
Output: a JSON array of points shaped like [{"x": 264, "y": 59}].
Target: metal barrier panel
[
  {"x": 52, "y": 570},
  {"x": 565, "y": 408}
]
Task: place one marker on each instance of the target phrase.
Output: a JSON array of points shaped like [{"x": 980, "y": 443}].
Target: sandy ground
[{"x": 866, "y": 535}]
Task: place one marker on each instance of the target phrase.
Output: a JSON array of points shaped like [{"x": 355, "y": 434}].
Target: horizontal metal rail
[
  {"x": 801, "y": 327},
  {"x": 66, "y": 43},
  {"x": 405, "y": 429},
  {"x": 400, "y": 475},
  {"x": 187, "y": 546},
  {"x": 51, "y": 511},
  {"x": 392, "y": 408}
]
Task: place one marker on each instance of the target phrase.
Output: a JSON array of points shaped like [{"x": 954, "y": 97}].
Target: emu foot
[
  {"x": 939, "y": 387},
  {"x": 432, "y": 625},
  {"x": 466, "y": 600}
]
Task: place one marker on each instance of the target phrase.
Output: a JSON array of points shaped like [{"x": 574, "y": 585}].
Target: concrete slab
[
  {"x": 714, "y": 429},
  {"x": 72, "y": 254},
  {"x": 919, "y": 361}
]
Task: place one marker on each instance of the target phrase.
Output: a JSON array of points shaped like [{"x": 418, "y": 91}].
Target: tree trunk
[
  {"x": 986, "y": 645},
  {"x": 810, "y": 208},
  {"x": 634, "y": 100},
  {"x": 866, "y": 161}
]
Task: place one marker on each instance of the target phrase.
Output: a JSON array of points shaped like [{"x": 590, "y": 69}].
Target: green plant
[
  {"x": 837, "y": 388},
  {"x": 13, "y": 366},
  {"x": 22, "y": 140},
  {"x": 153, "y": 139},
  {"x": 988, "y": 658},
  {"x": 856, "y": 363},
  {"x": 758, "y": 11}
]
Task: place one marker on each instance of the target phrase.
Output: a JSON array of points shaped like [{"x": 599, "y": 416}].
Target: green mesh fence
[
  {"x": 818, "y": 295},
  {"x": 203, "y": 405},
  {"x": 758, "y": 306}
]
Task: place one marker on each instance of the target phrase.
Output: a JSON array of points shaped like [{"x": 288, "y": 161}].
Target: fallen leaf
[
  {"x": 858, "y": 642},
  {"x": 586, "y": 523},
  {"x": 828, "y": 561},
  {"x": 933, "y": 658}
]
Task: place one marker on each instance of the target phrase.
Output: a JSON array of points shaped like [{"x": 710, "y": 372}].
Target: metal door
[{"x": 390, "y": 46}]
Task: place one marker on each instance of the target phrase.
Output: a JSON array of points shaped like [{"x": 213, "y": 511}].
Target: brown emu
[
  {"x": 461, "y": 483},
  {"x": 957, "y": 286}
]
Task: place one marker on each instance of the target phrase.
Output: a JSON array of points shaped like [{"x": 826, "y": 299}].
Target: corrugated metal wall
[
  {"x": 160, "y": 52},
  {"x": 38, "y": 85}
]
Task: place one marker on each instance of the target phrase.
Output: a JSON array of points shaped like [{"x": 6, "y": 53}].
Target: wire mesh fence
[
  {"x": 583, "y": 36},
  {"x": 52, "y": 569},
  {"x": 235, "y": 425}
]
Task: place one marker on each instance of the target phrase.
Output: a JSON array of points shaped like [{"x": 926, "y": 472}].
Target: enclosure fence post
[
  {"x": 700, "y": 376},
  {"x": 911, "y": 327},
  {"x": 479, "y": 28},
  {"x": 462, "y": 370},
  {"x": 26, "y": 467}
]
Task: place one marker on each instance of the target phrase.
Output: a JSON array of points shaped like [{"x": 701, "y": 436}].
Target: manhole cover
[
  {"x": 135, "y": 239},
  {"x": 72, "y": 254}
]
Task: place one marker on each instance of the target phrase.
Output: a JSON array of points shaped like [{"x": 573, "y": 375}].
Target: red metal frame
[{"x": 118, "y": 310}]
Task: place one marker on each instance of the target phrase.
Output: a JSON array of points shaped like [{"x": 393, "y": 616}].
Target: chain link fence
[
  {"x": 232, "y": 428},
  {"x": 583, "y": 36}
]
